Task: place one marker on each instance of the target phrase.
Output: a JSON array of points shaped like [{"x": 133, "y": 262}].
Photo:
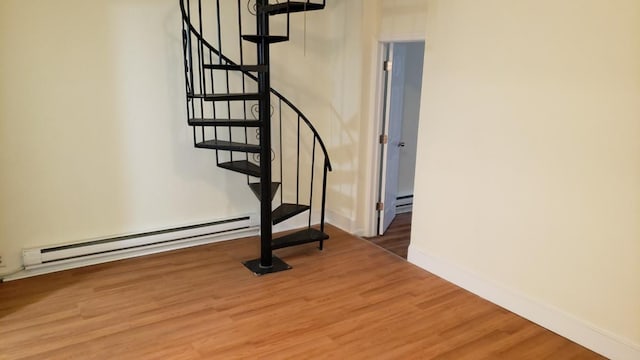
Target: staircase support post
[
  {"x": 267, "y": 262},
  {"x": 264, "y": 86}
]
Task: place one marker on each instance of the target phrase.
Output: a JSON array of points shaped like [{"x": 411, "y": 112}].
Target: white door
[{"x": 392, "y": 128}]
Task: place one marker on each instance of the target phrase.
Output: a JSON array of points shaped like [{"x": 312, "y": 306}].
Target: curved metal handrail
[{"x": 195, "y": 32}]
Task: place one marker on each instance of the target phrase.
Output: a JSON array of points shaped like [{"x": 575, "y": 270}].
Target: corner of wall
[
  {"x": 545, "y": 315},
  {"x": 340, "y": 221}
]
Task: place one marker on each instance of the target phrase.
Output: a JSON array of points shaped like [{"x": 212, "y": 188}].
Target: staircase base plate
[{"x": 277, "y": 265}]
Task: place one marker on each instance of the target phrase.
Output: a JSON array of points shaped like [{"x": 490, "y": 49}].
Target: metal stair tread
[
  {"x": 242, "y": 166},
  {"x": 286, "y": 211},
  {"x": 254, "y": 68},
  {"x": 223, "y": 122},
  {"x": 228, "y": 145},
  {"x": 271, "y": 39},
  {"x": 291, "y": 7},
  {"x": 305, "y": 236},
  {"x": 227, "y": 97},
  {"x": 257, "y": 189}
]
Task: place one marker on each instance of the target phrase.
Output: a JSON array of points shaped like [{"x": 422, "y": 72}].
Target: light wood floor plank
[{"x": 351, "y": 301}]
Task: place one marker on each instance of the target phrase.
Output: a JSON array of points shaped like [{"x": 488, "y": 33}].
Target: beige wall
[
  {"x": 529, "y": 151},
  {"x": 345, "y": 122},
  {"x": 529, "y": 155},
  {"x": 402, "y": 19},
  {"x": 93, "y": 129},
  {"x": 360, "y": 26},
  {"x": 312, "y": 70}
]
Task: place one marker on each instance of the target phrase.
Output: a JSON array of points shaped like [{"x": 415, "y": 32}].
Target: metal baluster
[
  {"x": 244, "y": 88},
  {"x": 213, "y": 103},
  {"x": 324, "y": 196},
  {"x": 190, "y": 53},
  {"x": 226, "y": 71},
  {"x": 187, "y": 71},
  {"x": 298, "y": 166},
  {"x": 203, "y": 85},
  {"x": 288, "y": 16},
  {"x": 281, "y": 151},
  {"x": 313, "y": 165}
]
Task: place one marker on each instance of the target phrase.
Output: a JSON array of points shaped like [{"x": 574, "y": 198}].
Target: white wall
[
  {"x": 529, "y": 152},
  {"x": 94, "y": 140}
]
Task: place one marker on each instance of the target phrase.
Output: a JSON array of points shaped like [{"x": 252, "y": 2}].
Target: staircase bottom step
[{"x": 298, "y": 238}]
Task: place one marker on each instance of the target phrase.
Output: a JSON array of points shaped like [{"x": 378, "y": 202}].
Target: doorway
[{"x": 400, "y": 108}]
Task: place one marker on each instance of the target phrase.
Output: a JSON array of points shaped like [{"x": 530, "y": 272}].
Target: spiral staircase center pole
[{"x": 264, "y": 87}]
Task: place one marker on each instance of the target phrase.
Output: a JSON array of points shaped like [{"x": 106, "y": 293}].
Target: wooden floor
[
  {"x": 351, "y": 301},
  {"x": 396, "y": 238}
]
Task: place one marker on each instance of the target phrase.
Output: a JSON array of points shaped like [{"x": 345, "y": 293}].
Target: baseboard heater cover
[
  {"x": 404, "y": 204},
  {"x": 66, "y": 256}
]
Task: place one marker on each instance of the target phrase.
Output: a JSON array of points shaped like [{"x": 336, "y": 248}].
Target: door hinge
[
  {"x": 384, "y": 139},
  {"x": 387, "y": 66},
  {"x": 380, "y": 206}
]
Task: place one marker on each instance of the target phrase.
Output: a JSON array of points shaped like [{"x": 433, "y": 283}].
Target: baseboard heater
[
  {"x": 67, "y": 256},
  {"x": 404, "y": 204}
]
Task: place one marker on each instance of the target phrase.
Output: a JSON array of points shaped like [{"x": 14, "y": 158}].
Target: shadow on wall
[
  {"x": 323, "y": 83},
  {"x": 342, "y": 190},
  {"x": 345, "y": 131}
]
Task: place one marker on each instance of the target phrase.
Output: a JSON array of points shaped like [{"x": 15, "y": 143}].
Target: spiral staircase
[{"x": 253, "y": 129}]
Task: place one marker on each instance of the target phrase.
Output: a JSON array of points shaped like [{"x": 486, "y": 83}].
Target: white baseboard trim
[
  {"x": 340, "y": 221},
  {"x": 582, "y": 332}
]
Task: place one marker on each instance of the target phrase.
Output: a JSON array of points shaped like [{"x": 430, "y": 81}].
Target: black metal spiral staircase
[{"x": 227, "y": 99}]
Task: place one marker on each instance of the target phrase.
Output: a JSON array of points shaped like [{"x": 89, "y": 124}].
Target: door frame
[{"x": 376, "y": 109}]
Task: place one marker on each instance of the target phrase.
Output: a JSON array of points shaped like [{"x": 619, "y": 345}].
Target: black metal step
[
  {"x": 291, "y": 7},
  {"x": 242, "y": 167},
  {"x": 228, "y": 145},
  {"x": 298, "y": 238},
  {"x": 286, "y": 211},
  {"x": 224, "y": 122},
  {"x": 271, "y": 39},
  {"x": 253, "y": 68},
  {"x": 255, "y": 187},
  {"x": 227, "y": 97}
]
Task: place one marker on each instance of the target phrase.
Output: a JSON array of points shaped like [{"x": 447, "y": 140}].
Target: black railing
[{"x": 283, "y": 110}]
